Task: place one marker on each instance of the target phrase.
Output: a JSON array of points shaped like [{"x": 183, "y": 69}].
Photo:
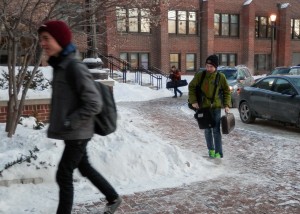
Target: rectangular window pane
[
  {"x": 297, "y": 29},
  {"x": 133, "y": 20},
  {"x": 134, "y": 60},
  {"x": 225, "y": 24},
  {"x": 217, "y": 24},
  {"x": 145, "y": 20},
  {"x": 190, "y": 62},
  {"x": 182, "y": 22},
  {"x": 174, "y": 60},
  {"x": 144, "y": 60},
  {"x": 121, "y": 19},
  {"x": 256, "y": 27},
  {"x": 234, "y": 25},
  {"x": 261, "y": 62},
  {"x": 192, "y": 23},
  {"x": 263, "y": 27},
  {"x": 232, "y": 60},
  {"x": 123, "y": 56},
  {"x": 192, "y": 28},
  {"x": 172, "y": 21},
  {"x": 224, "y": 59},
  {"x": 292, "y": 28}
]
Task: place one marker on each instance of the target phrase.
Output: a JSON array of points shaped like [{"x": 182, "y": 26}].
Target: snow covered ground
[{"x": 157, "y": 145}]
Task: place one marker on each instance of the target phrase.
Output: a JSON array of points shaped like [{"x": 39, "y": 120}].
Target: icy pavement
[{"x": 262, "y": 160}]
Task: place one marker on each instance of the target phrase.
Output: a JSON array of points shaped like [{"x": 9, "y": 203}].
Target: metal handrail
[
  {"x": 124, "y": 66},
  {"x": 153, "y": 76}
]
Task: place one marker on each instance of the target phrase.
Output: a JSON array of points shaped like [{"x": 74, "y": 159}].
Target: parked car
[
  {"x": 292, "y": 70},
  {"x": 237, "y": 77},
  {"x": 273, "y": 97}
]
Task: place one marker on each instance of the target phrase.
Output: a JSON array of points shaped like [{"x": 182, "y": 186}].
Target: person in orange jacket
[{"x": 175, "y": 77}]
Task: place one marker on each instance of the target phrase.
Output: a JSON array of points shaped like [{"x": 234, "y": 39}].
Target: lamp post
[{"x": 273, "y": 19}]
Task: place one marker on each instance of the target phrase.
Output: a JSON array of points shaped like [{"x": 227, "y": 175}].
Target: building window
[
  {"x": 227, "y": 59},
  {"x": 121, "y": 19},
  {"x": 190, "y": 62},
  {"x": 262, "y": 62},
  {"x": 182, "y": 22},
  {"x": 133, "y": 20},
  {"x": 144, "y": 60},
  {"x": 226, "y": 25},
  {"x": 174, "y": 60},
  {"x": 263, "y": 27},
  {"x": 145, "y": 20},
  {"x": 136, "y": 60},
  {"x": 295, "y": 28}
]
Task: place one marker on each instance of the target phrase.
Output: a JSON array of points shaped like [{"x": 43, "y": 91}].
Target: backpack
[{"x": 105, "y": 122}]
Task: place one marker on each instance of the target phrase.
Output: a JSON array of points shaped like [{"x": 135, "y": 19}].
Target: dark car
[
  {"x": 292, "y": 70},
  {"x": 272, "y": 97},
  {"x": 237, "y": 77}
]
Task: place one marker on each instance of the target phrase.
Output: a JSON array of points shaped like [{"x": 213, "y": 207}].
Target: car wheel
[{"x": 245, "y": 113}]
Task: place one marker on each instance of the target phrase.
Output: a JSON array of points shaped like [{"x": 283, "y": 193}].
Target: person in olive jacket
[
  {"x": 212, "y": 135},
  {"x": 75, "y": 101}
]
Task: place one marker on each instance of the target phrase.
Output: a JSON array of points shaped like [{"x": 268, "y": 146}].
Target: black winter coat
[{"x": 75, "y": 100}]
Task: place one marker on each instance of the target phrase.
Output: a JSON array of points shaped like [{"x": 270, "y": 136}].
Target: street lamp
[{"x": 273, "y": 19}]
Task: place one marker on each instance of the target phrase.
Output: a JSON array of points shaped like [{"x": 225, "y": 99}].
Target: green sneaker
[
  {"x": 211, "y": 153},
  {"x": 217, "y": 155}
]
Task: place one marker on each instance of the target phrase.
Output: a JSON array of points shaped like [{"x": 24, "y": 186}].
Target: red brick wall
[
  {"x": 160, "y": 44},
  {"x": 39, "y": 109}
]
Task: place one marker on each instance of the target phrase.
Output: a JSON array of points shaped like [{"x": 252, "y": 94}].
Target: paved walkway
[{"x": 233, "y": 194}]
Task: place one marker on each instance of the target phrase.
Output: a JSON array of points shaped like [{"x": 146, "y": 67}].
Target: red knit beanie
[{"x": 59, "y": 30}]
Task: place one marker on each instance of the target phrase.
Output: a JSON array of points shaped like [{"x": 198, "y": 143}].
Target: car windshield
[
  {"x": 230, "y": 74},
  {"x": 280, "y": 71}
]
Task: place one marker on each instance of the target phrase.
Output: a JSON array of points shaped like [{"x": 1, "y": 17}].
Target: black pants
[
  {"x": 176, "y": 90},
  {"x": 74, "y": 156}
]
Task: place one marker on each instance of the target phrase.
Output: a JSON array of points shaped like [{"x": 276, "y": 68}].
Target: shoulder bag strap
[{"x": 215, "y": 89}]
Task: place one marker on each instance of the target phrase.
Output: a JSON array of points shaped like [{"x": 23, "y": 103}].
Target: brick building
[{"x": 238, "y": 31}]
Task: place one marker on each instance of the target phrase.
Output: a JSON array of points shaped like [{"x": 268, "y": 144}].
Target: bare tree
[{"x": 20, "y": 20}]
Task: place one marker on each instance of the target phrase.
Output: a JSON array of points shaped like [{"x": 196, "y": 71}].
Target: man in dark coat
[{"x": 73, "y": 107}]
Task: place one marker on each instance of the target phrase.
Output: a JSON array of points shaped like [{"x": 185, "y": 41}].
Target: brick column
[
  {"x": 247, "y": 34},
  {"x": 163, "y": 39},
  {"x": 283, "y": 38},
  {"x": 207, "y": 30}
]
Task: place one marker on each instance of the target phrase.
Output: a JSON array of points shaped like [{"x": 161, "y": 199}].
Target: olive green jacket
[{"x": 207, "y": 89}]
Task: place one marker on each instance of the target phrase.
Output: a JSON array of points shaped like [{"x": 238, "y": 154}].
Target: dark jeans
[
  {"x": 213, "y": 136},
  {"x": 176, "y": 90},
  {"x": 75, "y": 155}
]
